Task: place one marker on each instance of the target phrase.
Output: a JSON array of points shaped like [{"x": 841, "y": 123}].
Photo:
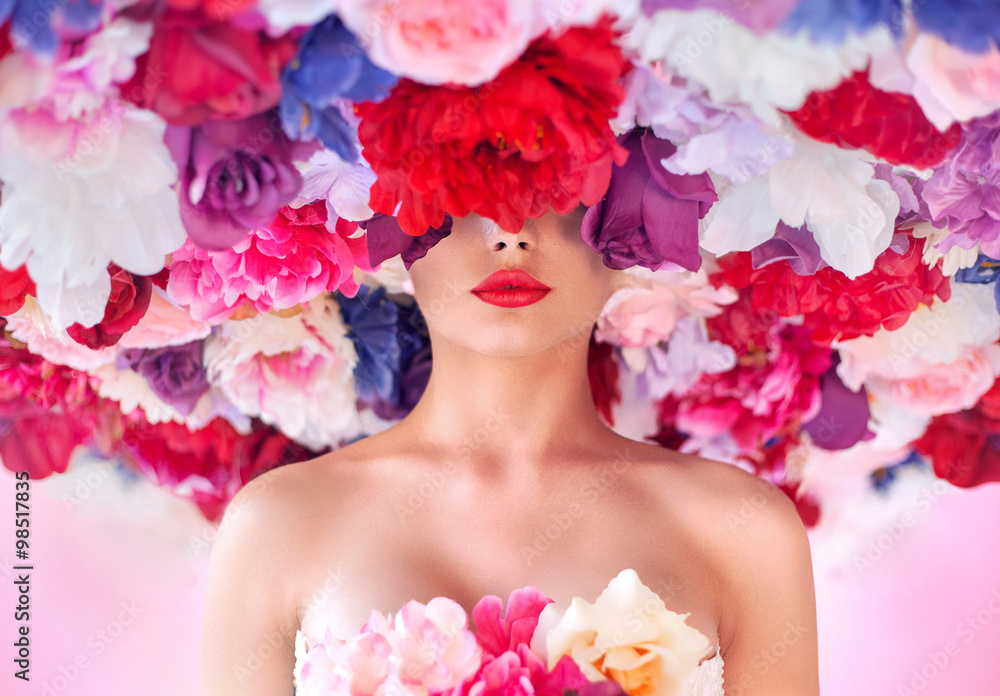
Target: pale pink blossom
[
  {"x": 423, "y": 649},
  {"x": 646, "y": 312},
  {"x": 295, "y": 373},
  {"x": 164, "y": 324},
  {"x": 438, "y": 41}
]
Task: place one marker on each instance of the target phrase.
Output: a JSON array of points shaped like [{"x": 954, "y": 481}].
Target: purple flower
[
  {"x": 842, "y": 419},
  {"x": 234, "y": 175},
  {"x": 797, "y": 245},
  {"x": 964, "y": 193},
  {"x": 174, "y": 373},
  {"x": 649, "y": 216},
  {"x": 386, "y": 239}
]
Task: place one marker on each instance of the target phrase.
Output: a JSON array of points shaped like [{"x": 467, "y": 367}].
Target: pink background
[{"x": 119, "y": 580}]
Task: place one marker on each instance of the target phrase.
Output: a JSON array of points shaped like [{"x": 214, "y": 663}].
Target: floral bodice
[{"x": 627, "y": 643}]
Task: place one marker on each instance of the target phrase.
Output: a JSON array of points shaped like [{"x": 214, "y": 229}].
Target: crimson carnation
[
  {"x": 536, "y": 137},
  {"x": 890, "y": 125},
  {"x": 14, "y": 286},
  {"x": 126, "y": 305},
  {"x": 211, "y": 464},
  {"x": 835, "y": 306},
  {"x": 964, "y": 447}
]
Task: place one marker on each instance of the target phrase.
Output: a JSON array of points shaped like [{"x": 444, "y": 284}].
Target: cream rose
[{"x": 627, "y": 635}]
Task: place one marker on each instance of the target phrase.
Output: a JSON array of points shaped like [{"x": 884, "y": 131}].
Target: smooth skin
[{"x": 504, "y": 476}]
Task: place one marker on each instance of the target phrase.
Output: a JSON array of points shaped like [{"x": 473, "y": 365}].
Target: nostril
[{"x": 523, "y": 245}]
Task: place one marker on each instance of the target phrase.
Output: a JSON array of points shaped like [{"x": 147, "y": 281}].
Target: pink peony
[
  {"x": 438, "y": 41},
  {"x": 357, "y": 666},
  {"x": 646, "y": 313},
  {"x": 293, "y": 260},
  {"x": 436, "y": 648},
  {"x": 511, "y": 668},
  {"x": 937, "y": 389},
  {"x": 295, "y": 373},
  {"x": 164, "y": 324},
  {"x": 520, "y": 672},
  {"x": 950, "y": 84},
  {"x": 772, "y": 388}
]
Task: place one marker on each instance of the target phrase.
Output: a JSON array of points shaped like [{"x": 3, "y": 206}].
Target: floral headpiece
[{"x": 171, "y": 168}]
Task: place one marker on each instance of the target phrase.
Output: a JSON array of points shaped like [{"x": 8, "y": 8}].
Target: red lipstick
[{"x": 514, "y": 288}]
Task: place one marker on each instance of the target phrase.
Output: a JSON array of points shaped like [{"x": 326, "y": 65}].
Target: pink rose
[{"x": 438, "y": 41}]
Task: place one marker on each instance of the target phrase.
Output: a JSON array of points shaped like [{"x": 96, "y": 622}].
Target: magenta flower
[
  {"x": 233, "y": 177},
  {"x": 520, "y": 672},
  {"x": 649, "y": 216},
  {"x": 293, "y": 259},
  {"x": 497, "y": 634}
]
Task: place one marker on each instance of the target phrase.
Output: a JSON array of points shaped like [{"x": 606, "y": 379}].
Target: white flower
[
  {"x": 295, "y": 373},
  {"x": 737, "y": 66},
  {"x": 282, "y": 15},
  {"x": 344, "y": 186},
  {"x": 832, "y": 191},
  {"x": 105, "y": 198},
  {"x": 627, "y": 635},
  {"x": 954, "y": 259},
  {"x": 942, "y": 360}
]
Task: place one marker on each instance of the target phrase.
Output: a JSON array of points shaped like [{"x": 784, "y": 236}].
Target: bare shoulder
[
  {"x": 758, "y": 546},
  {"x": 726, "y": 501},
  {"x": 250, "y": 618}
]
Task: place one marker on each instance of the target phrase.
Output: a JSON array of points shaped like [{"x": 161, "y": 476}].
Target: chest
[{"x": 414, "y": 547}]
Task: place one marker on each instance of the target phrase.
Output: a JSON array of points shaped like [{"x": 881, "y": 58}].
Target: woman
[{"x": 503, "y": 476}]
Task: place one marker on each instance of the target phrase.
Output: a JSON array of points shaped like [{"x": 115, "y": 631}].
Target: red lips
[
  {"x": 516, "y": 278},
  {"x": 511, "y": 288}
]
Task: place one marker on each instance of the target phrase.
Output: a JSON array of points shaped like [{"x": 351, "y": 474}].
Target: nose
[{"x": 498, "y": 239}]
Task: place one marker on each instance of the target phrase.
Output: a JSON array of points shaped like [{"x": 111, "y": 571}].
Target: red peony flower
[
  {"x": 964, "y": 447},
  {"x": 199, "y": 66},
  {"x": 209, "y": 465},
  {"x": 602, "y": 371},
  {"x": 14, "y": 286},
  {"x": 46, "y": 411},
  {"x": 127, "y": 304},
  {"x": 536, "y": 137},
  {"x": 890, "y": 125},
  {"x": 833, "y": 305},
  {"x": 5, "y": 44}
]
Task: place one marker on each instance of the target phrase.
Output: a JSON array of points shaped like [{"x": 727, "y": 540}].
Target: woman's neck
[{"x": 513, "y": 411}]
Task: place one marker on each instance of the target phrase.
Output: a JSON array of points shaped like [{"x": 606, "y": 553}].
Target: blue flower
[
  {"x": 31, "y": 21},
  {"x": 986, "y": 270},
  {"x": 883, "y": 478},
  {"x": 972, "y": 25},
  {"x": 831, "y": 20},
  {"x": 387, "y": 336},
  {"x": 330, "y": 67}
]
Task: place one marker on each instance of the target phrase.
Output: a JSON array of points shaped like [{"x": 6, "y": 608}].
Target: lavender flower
[{"x": 174, "y": 373}]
